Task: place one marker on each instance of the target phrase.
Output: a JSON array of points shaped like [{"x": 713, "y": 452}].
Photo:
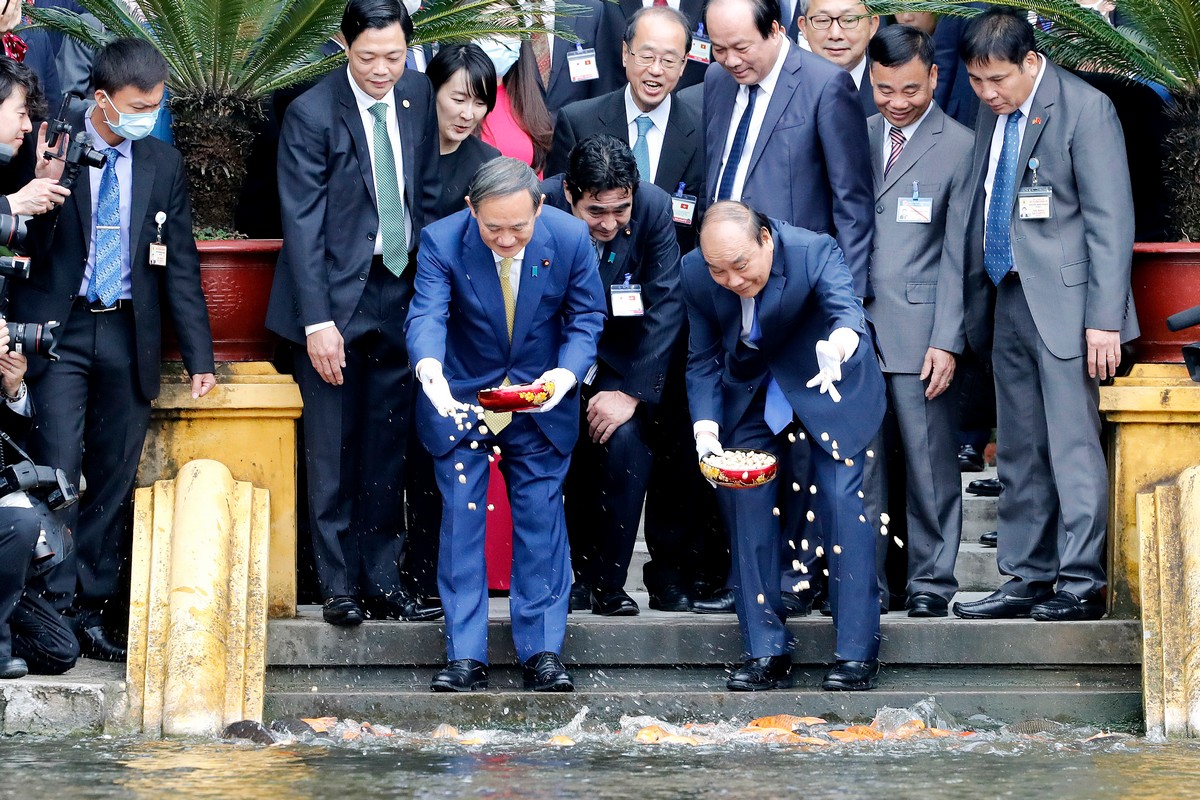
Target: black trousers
[
  {"x": 355, "y": 437},
  {"x": 30, "y": 626},
  {"x": 92, "y": 420},
  {"x": 688, "y": 545},
  {"x": 604, "y": 492}
]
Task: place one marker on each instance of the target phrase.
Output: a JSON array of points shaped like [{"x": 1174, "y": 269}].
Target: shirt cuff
[
  {"x": 20, "y": 405},
  {"x": 706, "y": 426},
  {"x": 309, "y": 330}
]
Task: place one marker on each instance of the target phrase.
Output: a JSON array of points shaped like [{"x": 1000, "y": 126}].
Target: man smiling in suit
[
  {"x": 920, "y": 159},
  {"x": 630, "y": 223},
  {"x": 665, "y": 136},
  {"x": 780, "y": 351},
  {"x": 507, "y": 292}
]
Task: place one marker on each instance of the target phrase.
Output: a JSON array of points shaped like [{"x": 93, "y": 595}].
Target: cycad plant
[
  {"x": 226, "y": 57},
  {"x": 1156, "y": 41}
]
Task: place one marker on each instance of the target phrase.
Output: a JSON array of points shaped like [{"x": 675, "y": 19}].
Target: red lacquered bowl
[
  {"x": 521, "y": 397},
  {"x": 731, "y": 478}
]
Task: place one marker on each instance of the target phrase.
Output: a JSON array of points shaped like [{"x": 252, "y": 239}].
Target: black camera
[
  {"x": 75, "y": 152},
  {"x": 30, "y": 338},
  {"x": 48, "y": 483},
  {"x": 12, "y": 231},
  {"x": 33, "y": 338}
]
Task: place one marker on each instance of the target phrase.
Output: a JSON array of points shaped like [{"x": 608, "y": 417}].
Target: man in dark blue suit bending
[
  {"x": 779, "y": 352},
  {"x": 506, "y": 293}
]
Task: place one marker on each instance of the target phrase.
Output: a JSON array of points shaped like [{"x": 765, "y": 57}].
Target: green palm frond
[
  {"x": 246, "y": 49},
  {"x": 1159, "y": 42},
  {"x": 456, "y": 21}
]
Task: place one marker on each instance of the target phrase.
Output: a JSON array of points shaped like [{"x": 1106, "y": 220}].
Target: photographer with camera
[
  {"x": 21, "y": 101},
  {"x": 34, "y": 542}
]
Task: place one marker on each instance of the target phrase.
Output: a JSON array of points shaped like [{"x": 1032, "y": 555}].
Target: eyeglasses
[
  {"x": 846, "y": 22},
  {"x": 646, "y": 59}
]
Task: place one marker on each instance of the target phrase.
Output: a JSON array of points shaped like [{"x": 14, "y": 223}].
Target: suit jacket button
[
  {"x": 879, "y": 208},
  {"x": 362, "y": 276},
  {"x": 371, "y": 236}
]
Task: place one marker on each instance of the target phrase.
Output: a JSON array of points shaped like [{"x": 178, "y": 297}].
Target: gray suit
[
  {"x": 917, "y": 274},
  {"x": 1073, "y": 274}
]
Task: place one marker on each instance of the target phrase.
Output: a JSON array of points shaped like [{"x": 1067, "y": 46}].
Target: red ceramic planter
[
  {"x": 236, "y": 277},
  {"x": 1166, "y": 279}
]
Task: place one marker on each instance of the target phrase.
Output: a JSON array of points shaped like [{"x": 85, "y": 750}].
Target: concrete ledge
[
  {"x": 657, "y": 638},
  {"x": 89, "y": 699},
  {"x": 1107, "y": 697}
]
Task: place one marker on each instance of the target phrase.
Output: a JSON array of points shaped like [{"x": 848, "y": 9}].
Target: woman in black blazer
[{"x": 464, "y": 85}]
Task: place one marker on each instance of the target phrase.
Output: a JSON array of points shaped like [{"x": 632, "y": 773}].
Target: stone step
[
  {"x": 976, "y": 568},
  {"x": 1099, "y": 696},
  {"x": 658, "y": 638}
]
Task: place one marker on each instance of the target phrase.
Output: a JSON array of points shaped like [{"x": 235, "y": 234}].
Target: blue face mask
[{"x": 131, "y": 126}]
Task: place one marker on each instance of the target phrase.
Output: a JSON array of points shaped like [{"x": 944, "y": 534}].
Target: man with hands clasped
[
  {"x": 780, "y": 352},
  {"x": 507, "y": 292}
]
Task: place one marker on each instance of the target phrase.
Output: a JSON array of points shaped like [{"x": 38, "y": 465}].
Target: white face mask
[
  {"x": 412, "y": 6},
  {"x": 503, "y": 51}
]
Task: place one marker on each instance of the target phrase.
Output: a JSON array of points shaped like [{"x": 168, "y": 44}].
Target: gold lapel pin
[{"x": 404, "y": 103}]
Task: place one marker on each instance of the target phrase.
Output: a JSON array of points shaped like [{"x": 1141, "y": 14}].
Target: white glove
[
  {"x": 831, "y": 354},
  {"x": 707, "y": 444},
  {"x": 429, "y": 372},
  {"x": 563, "y": 380}
]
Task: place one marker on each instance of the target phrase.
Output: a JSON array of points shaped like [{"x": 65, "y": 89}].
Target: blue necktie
[
  {"x": 105, "y": 284},
  {"x": 777, "y": 412},
  {"x": 725, "y": 188},
  {"x": 997, "y": 234},
  {"x": 641, "y": 148}
]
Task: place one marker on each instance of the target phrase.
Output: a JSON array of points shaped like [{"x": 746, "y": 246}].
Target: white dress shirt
[
  {"x": 765, "y": 88},
  {"x": 514, "y": 272},
  {"x": 859, "y": 72},
  {"x": 654, "y": 136},
  {"x": 908, "y": 130},
  {"x": 998, "y": 136}
]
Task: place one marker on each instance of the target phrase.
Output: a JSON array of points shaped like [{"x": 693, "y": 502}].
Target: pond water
[{"x": 977, "y": 759}]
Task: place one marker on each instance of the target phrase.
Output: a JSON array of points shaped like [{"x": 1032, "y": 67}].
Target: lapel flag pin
[
  {"x": 404, "y": 103},
  {"x": 1036, "y": 120}
]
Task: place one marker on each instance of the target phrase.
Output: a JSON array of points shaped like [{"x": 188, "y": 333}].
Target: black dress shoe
[
  {"x": 461, "y": 675},
  {"x": 402, "y": 605},
  {"x": 999, "y": 605},
  {"x": 851, "y": 676},
  {"x": 927, "y": 604},
  {"x": 985, "y": 487},
  {"x": 545, "y": 672},
  {"x": 581, "y": 597},
  {"x": 719, "y": 603},
  {"x": 757, "y": 674},
  {"x": 989, "y": 539},
  {"x": 613, "y": 603},
  {"x": 13, "y": 667},
  {"x": 94, "y": 643},
  {"x": 1066, "y": 606},
  {"x": 969, "y": 459},
  {"x": 343, "y": 611},
  {"x": 670, "y": 598},
  {"x": 795, "y": 604}
]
